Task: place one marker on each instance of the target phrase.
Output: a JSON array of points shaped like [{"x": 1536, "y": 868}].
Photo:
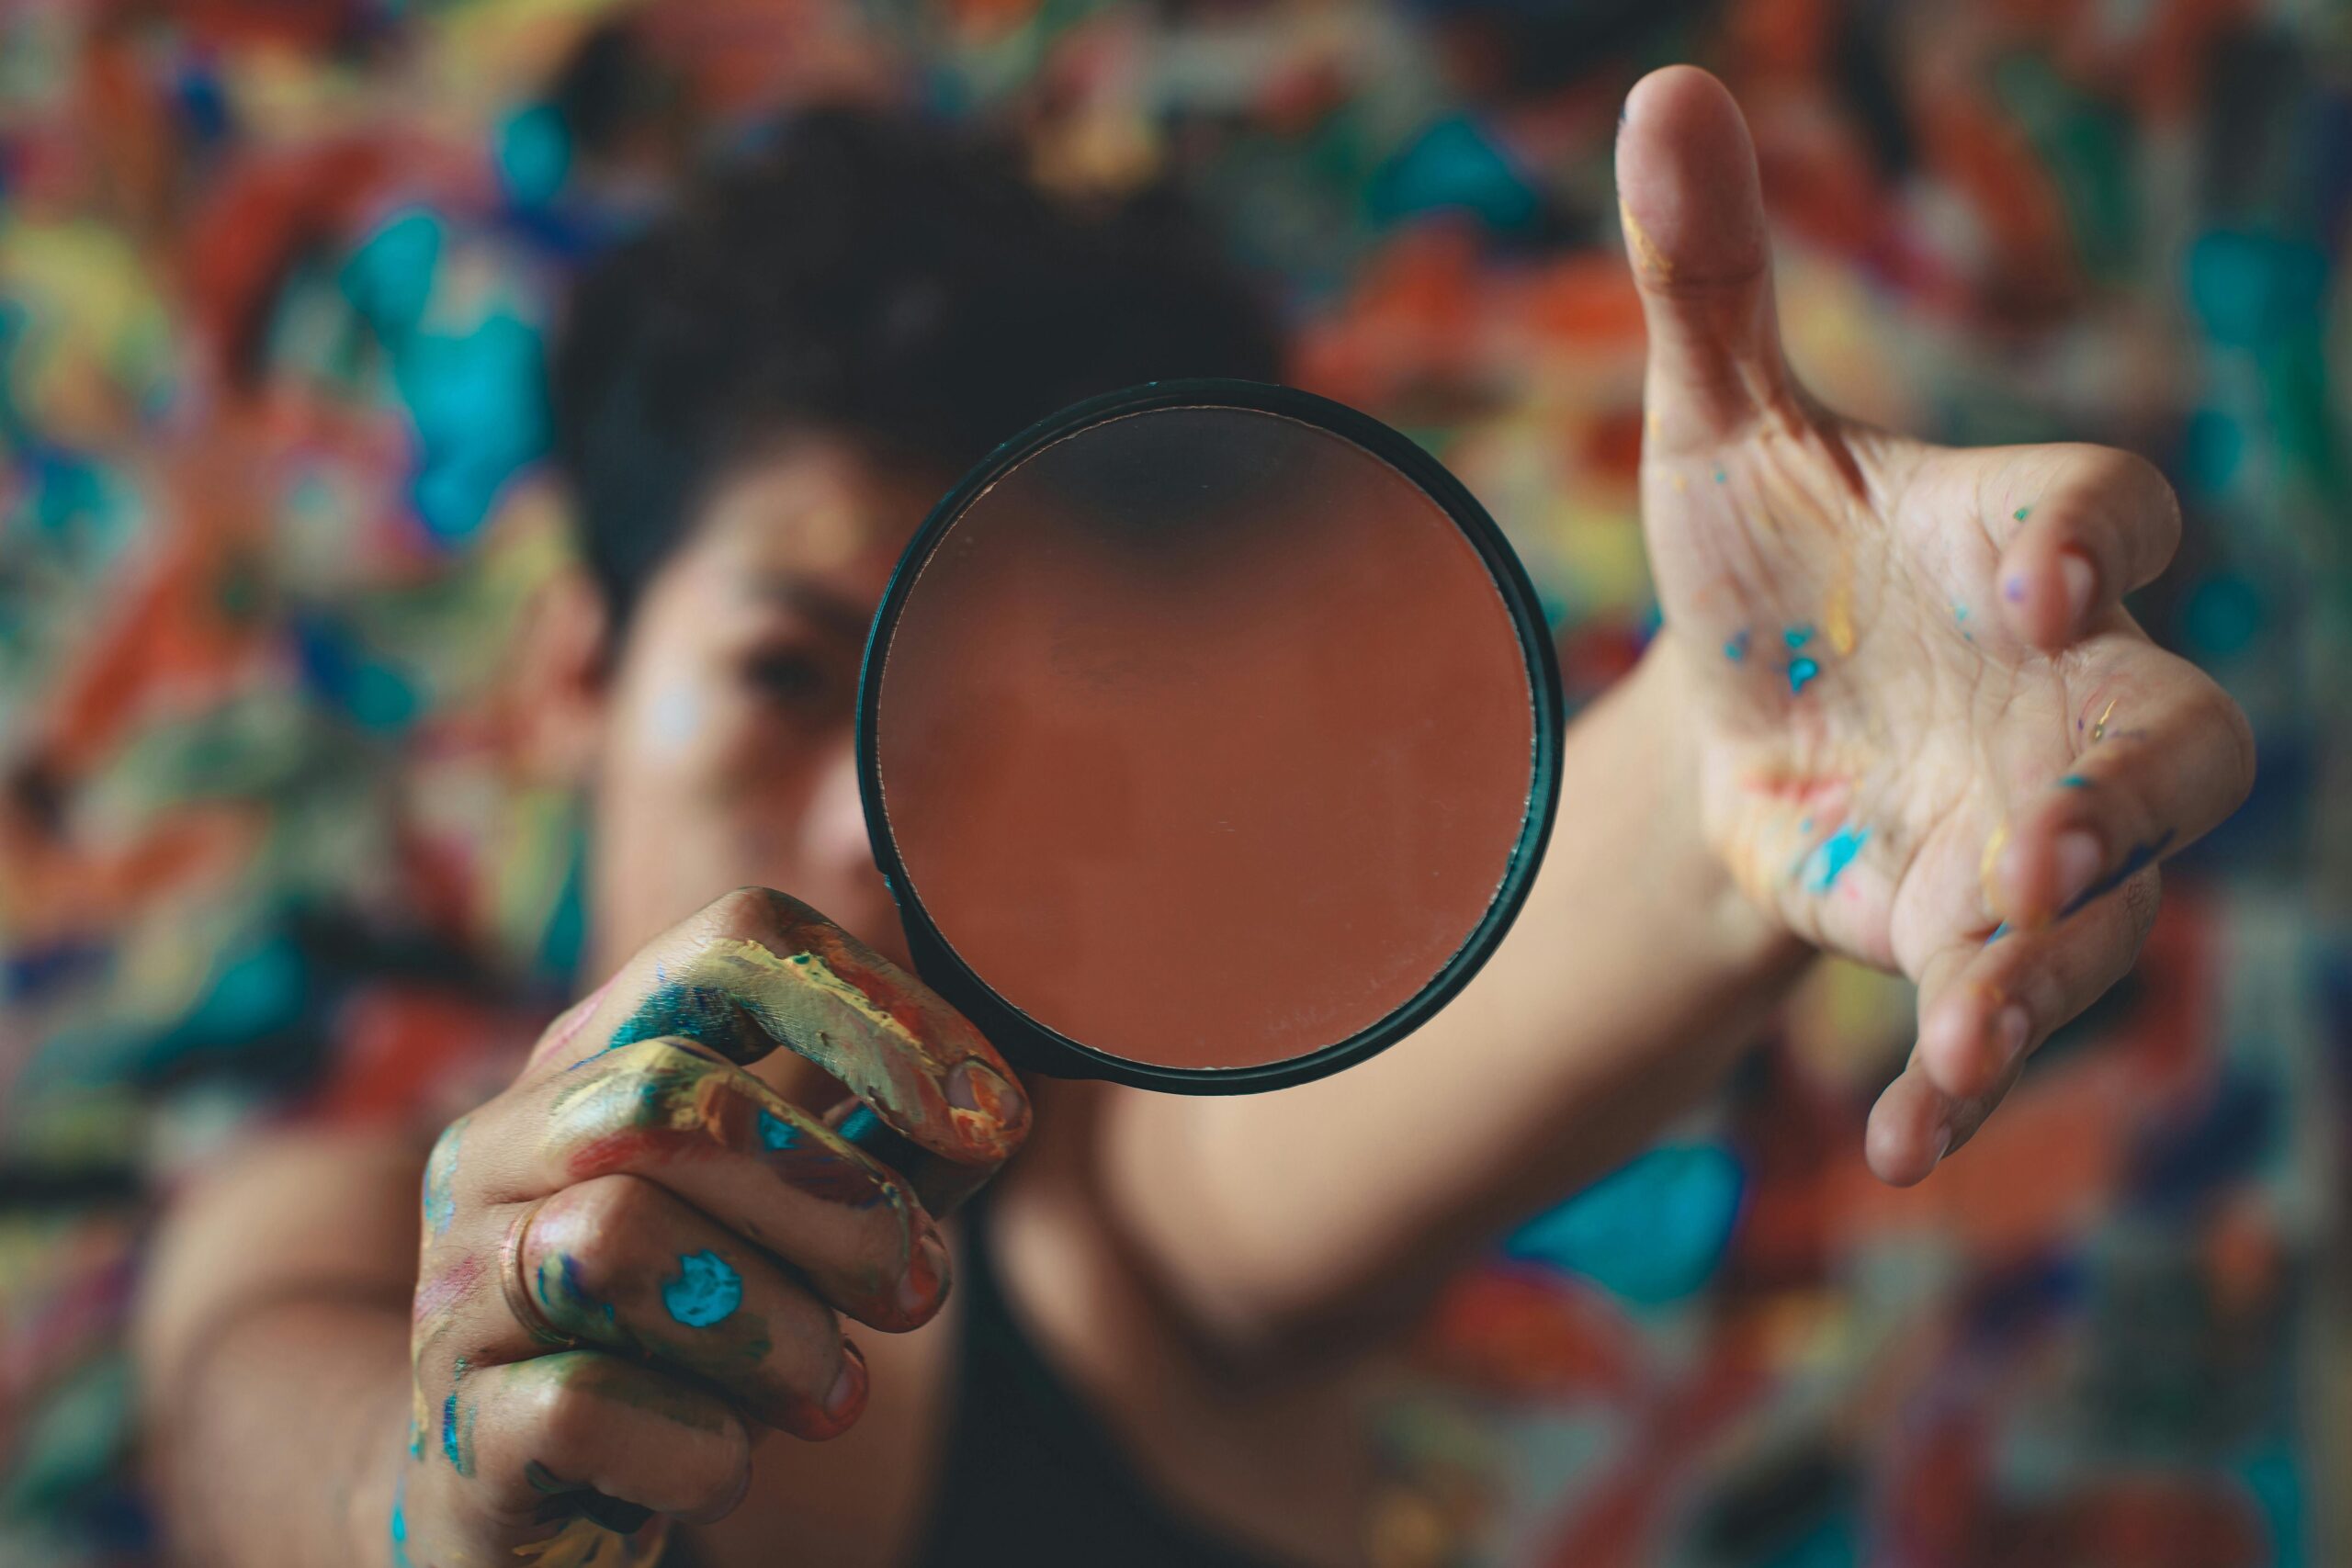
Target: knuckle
[
  {"x": 567, "y": 1416},
  {"x": 756, "y": 914},
  {"x": 599, "y": 1230}
]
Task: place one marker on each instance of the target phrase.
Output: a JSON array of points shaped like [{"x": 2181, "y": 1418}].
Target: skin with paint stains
[
  {"x": 638, "y": 1193},
  {"x": 1908, "y": 776}
]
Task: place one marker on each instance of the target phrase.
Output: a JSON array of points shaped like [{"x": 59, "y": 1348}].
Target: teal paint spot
[
  {"x": 859, "y": 1123},
  {"x": 440, "y": 1178},
  {"x": 1805, "y": 826},
  {"x": 707, "y": 1291},
  {"x": 534, "y": 155},
  {"x": 1736, "y": 648},
  {"x": 1652, "y": 1232},
  {"x": 457, "y": 1434},
  {"x": 775, "y": 1133},
  {"x": 1721, "y": 477},
  {"x": 1455, "y": 166},
  {"x": 1998, "y": 932},
  {"x": 2021, "y": 512},
  {"x": 389, "y": 280},
  {"x": 1800, "y": 671},
  {"x": 1960, "y": 611},
  {"x": 2075, "y": 781},
  {"x": 1797, "y": 636},
  {"x": 2224, "y": 615},
  {"x": 1831, "y": 857},
  {"x": 399, "y": 1524}
]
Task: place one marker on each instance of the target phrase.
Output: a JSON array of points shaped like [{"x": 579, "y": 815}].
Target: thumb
[{"x": 1693, "y": 213}]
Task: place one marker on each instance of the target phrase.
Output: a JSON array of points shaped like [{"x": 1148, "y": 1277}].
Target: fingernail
[
  {"x": 1943, "y": 1146},
  {"x": 972, "y": 1085},
  {"x": 2079, "y": 858},
  {"x": 2075, "y": 574},
  {"x": 926, "y": 1276},
  {"x": 849, "y": 1384}
]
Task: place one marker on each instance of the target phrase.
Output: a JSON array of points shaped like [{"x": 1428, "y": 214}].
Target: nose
[{"x": 836, "y": 848}]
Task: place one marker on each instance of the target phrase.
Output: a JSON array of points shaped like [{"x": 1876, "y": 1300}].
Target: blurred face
[{"x": 726, "y": 756}]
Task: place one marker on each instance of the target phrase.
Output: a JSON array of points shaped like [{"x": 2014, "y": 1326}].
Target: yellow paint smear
[
  {"x": 1993, "y": 844},
  {"x": 1647, "y": 257},
  {"x": 1837, "y": 616},
  {"x": 584, "y": 1542}
]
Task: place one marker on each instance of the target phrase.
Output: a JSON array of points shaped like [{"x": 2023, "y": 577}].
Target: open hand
[{"x": 1929, "y": 736}]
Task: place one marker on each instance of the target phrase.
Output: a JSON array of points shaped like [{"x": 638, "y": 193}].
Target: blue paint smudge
[
  {"x": 1720, "y": 475},
  {"x": 1800, "y": 671},
  {"x": 440, "y": 1177},
  {"x": 2021, "y": 513},
  {"x": 1736, "y": 648},
  {"x": 775, "y": 1133},
  {"x": 1832, "y": 856},
  {"x": 707, "y": 1291},
  {"x": 2075, "y": 781},
  {"x": 1998, "y": 932},
  {"x": 399, "y": 1524},
  {"x": 1652, "y": 1232},
  {"x": 2139, "y": 859},
  {"x": 1797, "y": 636},
  {"x": 456, "y": 1436},
  {"x": 859, "y": 1123}
]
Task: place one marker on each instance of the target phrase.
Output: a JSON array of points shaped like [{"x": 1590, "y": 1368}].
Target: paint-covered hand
[
  {"x": 638, "y": 1257},
  {"x": 1921, "y": 715}
]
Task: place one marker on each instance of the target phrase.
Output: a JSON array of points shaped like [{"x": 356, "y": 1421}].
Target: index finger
[{"x": 755, "y": 970}]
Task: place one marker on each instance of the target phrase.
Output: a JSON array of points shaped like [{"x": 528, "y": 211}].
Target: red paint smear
[{"x": 446, "y": 1290}]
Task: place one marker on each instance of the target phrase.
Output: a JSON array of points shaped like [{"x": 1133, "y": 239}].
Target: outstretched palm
[{"x": 1920, "y": 711}]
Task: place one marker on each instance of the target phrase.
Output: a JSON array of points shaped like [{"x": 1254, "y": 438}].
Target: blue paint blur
[
  {"x": 2224, "y": 615},
  {"x": 1832, "y": 856},
  {"x": 707, "y": 1290},
  {"x": 2177, "y": 1163},
  {"x": 1736, "y": 648},
  {"x": 775, "y": 1133},
  {"x": 389, "y": 280},
  {"x": 1454, "y": 166},
  {"x": 1797, "y": 636},
  {"x": 534, "y": 154},
  {"x": 1652, "y": 1232},
  {"x": 1801, "y": 671},
  {"x": 2277, "y": 1484},
  {"x": 347, "y": 677}
]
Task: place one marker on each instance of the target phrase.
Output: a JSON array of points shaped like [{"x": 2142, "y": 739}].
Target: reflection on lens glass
[{"x": 1205, "y": 738}]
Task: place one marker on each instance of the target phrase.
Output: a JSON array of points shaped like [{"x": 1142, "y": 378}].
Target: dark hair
[{"x": 876, "y": 277}]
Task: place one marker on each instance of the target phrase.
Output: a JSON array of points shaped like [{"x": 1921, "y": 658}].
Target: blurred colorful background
[{"x": 274, "y": 281}]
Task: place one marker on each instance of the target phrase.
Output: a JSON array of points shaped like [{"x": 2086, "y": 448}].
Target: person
[{"x": 614, "y": 1327}]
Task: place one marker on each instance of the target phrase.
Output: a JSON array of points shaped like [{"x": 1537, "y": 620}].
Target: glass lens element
[{"x": 1204, "y": 736}]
